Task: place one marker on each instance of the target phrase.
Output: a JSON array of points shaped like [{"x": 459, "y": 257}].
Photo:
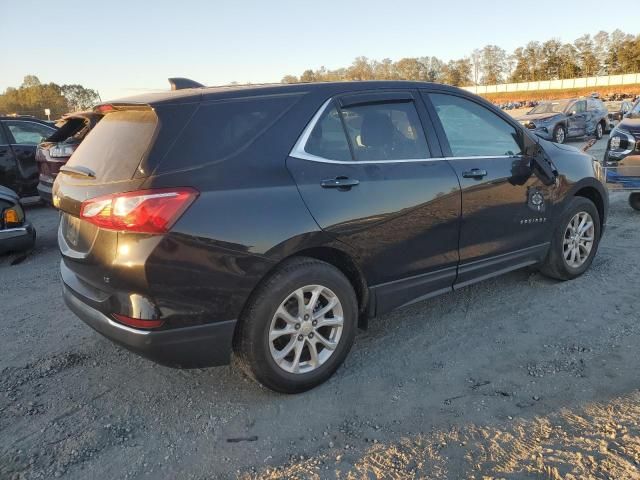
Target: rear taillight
[{"x": 144, "y": 211}]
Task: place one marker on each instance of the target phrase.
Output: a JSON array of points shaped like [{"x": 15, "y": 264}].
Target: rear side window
[
  {"x": 388, "y": 131},
  {"x": 116, "y": 146},
  {"x": 28, "y": 133},
  {"x": 473, "y": 130},
  {"x": 221, "y": 129},
  {"x": 327, "y": 139}
]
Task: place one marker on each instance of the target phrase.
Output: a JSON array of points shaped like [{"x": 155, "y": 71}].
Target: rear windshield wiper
[{"x": 78, "y": 171}]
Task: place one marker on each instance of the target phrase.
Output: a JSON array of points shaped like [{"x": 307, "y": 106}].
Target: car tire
[
  {"x": 559, "y": 134},
  {"x": 599, "y": 131},
  {"x": 274, "y": 308},
  {"x": 561, "y": 262},
  {"x": 634, "y": 200}
]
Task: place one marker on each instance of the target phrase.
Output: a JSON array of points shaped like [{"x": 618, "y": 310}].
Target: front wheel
[
  {"x": 298, "y": 327},
  {"x": 634, "y": 200},
  {"x": 559, "y": 134},
  {"x": 575, "y": 241}
]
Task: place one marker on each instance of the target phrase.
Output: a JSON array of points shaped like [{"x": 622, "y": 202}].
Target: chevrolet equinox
[{"x": 267, "y": 223}]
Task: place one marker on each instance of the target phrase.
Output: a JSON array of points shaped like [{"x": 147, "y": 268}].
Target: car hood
[
  {"x": 630, "y": 124},
  {"x": 537, "y": 116}
]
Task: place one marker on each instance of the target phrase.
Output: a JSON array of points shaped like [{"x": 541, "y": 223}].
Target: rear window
[
  {"x": 224, "y": 128},
  {"x": 118, "y": 143}
]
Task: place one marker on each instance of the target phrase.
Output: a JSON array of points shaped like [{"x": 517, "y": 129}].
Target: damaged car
[
  {"x": 56, "y": 149},
  {"x": 559, "y": 120}
]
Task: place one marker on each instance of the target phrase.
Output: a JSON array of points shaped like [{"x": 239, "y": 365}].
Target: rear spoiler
[{"x": 179, "y": 83}]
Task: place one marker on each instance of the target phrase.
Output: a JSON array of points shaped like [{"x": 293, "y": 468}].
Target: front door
[
  {"x": 8, "y": 168},
  {"x": 578, "y": 119},
  {"x": 368, "y": 175},
  {"x": 504, "y": 222},
  {"x": 24, "y": 137}
]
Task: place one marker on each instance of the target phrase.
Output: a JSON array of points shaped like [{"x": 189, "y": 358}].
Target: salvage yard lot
[{"x": 517, "y": 377}]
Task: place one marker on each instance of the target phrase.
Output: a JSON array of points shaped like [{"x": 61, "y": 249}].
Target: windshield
[
  {"x": 551, "y": 107},
  {"x": 635, "y": 111},
  {"x": 613, "y": 106}
]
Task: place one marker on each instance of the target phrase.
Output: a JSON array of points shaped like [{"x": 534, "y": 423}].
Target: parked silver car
[{"x": 558, "y": 120}]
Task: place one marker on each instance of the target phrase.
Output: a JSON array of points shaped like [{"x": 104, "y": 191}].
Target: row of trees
[
  {"x": 602, "y": 54},
  {"x": 32, "y": 97}
]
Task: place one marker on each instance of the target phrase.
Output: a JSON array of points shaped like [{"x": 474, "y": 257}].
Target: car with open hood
[
  {"x": 559, "y": 120},
  {"x": 56, "y": 149}
]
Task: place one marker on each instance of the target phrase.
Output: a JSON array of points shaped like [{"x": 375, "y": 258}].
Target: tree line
[
  {"x": 33, "y": 96},
  {"x": 602, "y": 54}
]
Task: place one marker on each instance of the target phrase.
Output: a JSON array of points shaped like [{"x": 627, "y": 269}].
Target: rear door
[
  {"x": 24, "y": 136},
  {"x": 504, "y": 224},
  {"x": 369, "y": 176}
]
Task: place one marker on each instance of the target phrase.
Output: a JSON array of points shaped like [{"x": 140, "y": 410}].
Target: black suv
[{"x": 272, "y": 221}]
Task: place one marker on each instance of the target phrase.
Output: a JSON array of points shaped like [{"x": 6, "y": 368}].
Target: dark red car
[{"x": 54, "y": 152}]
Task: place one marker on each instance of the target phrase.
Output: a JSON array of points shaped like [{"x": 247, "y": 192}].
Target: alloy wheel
[
  {"x": 599, "y": 131},
  {"x": 306, "y": 329},
  {"x": 560, "y": 135},
  {"x": 578, "y": 239}
]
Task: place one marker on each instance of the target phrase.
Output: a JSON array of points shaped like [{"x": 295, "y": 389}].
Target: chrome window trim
[{"x": 299, "y": 152}]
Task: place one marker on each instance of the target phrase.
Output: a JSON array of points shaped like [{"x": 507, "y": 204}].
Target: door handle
[
  {"x": 339, "y": 182},
  {"x": 475, "y": 173}
]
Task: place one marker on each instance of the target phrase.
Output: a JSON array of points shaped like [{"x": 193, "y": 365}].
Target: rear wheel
[
  {"x": 599, "y": 131},
  {"x": 574, "y": 242},
  {"x": 634, "y": 200},
  {"x": 298, "y": 327},
  {"x": 559, "y": 134}
]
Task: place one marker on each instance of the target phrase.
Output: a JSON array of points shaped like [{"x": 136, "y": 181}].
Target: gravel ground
[{"x": 516, "y": 377}]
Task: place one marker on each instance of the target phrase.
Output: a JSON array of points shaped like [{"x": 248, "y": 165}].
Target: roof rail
[{"x": 179, "y": 83}]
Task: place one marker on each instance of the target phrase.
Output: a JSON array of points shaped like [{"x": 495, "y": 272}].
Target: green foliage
[
  {"x": 32, "y": 97},
  {"x": 602, "y": 54}
]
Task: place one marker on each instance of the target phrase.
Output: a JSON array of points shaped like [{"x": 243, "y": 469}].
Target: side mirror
[{"x": 571, "y": 113}]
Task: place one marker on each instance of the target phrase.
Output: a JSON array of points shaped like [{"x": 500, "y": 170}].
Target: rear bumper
[
  {"x": 45, "y": 187},
  {"x": 17, "y": 239},
  {"x": 186, "y": 347}
]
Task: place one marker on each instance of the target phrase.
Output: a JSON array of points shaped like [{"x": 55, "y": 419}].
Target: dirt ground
[{"x": 517, "y": 377}]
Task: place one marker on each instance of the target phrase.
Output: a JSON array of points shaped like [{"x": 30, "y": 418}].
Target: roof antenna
[{"x": 179, "y": 83}]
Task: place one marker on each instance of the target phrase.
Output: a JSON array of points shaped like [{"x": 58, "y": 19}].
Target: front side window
[
  {"x": 579, "y": 107},
  {"x": 28, "y": 133},
  {"x": 327, "y": 139},
  {"x": 386, "y": 131},
  {"x": 473, "y": 130}
]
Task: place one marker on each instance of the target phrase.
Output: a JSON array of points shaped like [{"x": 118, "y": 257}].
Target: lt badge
[{"x": 535, "y": 200}]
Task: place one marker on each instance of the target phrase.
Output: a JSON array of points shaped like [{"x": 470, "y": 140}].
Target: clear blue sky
[{"x": 122, "y": 48}]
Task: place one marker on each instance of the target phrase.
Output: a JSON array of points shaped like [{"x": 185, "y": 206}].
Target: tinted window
[
  {"x": 222, "y": 129},
  {"x": 389, "y": 131},
  {"x": 3, "y": 139},
  {"x": 473, "y": 130},
  {"x": 328, "y": 139},
  {"x": 28, "y": 133},
  {"x": 115, "y": 147}
]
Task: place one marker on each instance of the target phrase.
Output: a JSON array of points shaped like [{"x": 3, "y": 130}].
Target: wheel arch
[
  {"x": 349, "y": 268},
  {"x": 336, "y": 257},
  {"x": 591, "y": 193}
]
